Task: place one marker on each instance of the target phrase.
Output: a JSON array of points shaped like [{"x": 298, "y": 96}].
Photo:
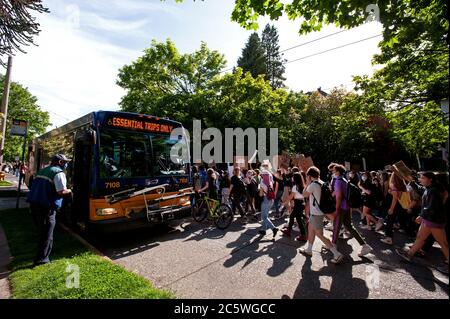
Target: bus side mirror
[{"x": 92, "y": 136}]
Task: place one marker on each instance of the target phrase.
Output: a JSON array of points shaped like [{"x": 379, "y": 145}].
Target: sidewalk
[
  {"x": 5, "y": 255},
  {"x": 15, "y": 180},
  {"x": 5, "y": 258}
]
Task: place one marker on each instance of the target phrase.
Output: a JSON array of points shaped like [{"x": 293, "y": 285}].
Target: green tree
[
  {"x": 165, "y": 83},
  {"x": 22, "y": 105},
  {"x": 414, "y": 49},
  {"x": 274, "y": 59},
  {"x": 420, "y": 130},
  {"x": 253, "y": 58},
  {"x": 17, "y": 26}
]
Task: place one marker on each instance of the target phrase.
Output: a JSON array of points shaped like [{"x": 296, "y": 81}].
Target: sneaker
[
  {"x": 305, "y": 252},
  {"x": 286, "y": 232},
  {"x": 275, "y": 231},
  {"x": 421, "y": 253},
  {"x": 380, "y": 223},
  {"x": 301, "y": 238},
  {"x": 387, "y": 240},
  {"x": 443, "y": 269},
  {"x": 262, "y": 232},
  {"x": 338, "y": 259},
  {"x": 365, "y": 249},
  {"x": 404, "y": 254}
]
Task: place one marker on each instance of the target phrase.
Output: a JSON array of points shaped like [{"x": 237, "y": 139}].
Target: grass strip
[{"x": 75, "y": 272}]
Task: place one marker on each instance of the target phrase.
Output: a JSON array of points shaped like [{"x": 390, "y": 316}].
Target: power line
[
  {"x": 332, "y": 49},
  {"x": 300, "y": 45},
  {"x": 63, "y": 117},
  {"x": 308, "y": 42},
  {"x": 318, "y": 53}
]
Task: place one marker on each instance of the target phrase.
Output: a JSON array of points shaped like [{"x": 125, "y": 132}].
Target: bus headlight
[{"x": 106, "y": 211}]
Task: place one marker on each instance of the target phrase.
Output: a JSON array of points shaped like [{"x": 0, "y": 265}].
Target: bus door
[{"x": 82, "y": 170}]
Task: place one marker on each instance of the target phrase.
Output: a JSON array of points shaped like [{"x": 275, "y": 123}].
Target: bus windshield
[
  {"x": 163, "y": 163},
  {"x": 129, "y": 155}
]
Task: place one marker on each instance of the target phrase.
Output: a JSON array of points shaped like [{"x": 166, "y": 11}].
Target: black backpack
[
  {"x": 354, "y": 197},
  {"x": 327, "y": 203}
]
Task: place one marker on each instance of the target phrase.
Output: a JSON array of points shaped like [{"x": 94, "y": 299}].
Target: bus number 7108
[{"x": 112, "y": 184}]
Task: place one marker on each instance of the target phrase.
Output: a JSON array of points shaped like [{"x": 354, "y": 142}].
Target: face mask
[
  {"x": 64, "y": 166},
  {"x": 364, "y": 178}
]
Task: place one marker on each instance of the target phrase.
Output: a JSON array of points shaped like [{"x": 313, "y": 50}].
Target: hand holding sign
[{"x": 401, "y": 170}]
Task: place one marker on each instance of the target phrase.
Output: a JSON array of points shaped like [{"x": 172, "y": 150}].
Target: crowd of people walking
[{"x": 386, "y": 202}]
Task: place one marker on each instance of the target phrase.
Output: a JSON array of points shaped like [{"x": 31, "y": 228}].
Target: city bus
[{"x": 122, "y": 175}]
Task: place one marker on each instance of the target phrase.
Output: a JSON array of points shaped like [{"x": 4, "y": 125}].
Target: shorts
[
  {"x": 429, "y": 224},
  {"x": 316, "y": 221}
]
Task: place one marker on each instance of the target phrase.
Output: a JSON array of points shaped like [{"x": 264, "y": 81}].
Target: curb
[{"x": 84, "y": 242}]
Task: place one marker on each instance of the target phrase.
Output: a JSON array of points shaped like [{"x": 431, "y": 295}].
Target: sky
[{"x": 83, "y": 44}]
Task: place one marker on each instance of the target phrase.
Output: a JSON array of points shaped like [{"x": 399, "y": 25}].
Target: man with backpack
[
  {"x": 342, "y": 215},
  {"x": 315, "y": 227}
]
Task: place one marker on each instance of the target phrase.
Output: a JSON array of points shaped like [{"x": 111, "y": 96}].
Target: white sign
[{"x": 19, "y": 127}]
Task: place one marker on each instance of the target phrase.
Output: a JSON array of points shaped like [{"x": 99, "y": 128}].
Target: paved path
[
  {"x": 13, "y": 179},
  {"x": 5, "y": 258},
  {"x": 198, "y": 261}
]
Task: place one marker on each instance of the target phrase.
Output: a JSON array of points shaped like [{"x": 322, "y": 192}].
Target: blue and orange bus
[{"x": 122, "y": 172}]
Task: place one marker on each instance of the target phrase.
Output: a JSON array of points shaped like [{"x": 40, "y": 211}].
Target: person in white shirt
[
  {"x": 267, "y": 193},
  {"x": 299, "y": 208},
  {"x": 315, "y": 227}
]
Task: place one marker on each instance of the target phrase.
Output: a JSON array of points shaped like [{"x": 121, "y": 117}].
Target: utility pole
[{"x": 4, "y": 107}]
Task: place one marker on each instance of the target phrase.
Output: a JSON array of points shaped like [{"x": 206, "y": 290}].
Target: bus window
[
  {"x": 123, "y": 154},
  {"x": 163, "y": 164}
]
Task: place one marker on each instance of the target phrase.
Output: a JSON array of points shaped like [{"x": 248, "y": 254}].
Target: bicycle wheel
[
  {"x": 200, "y": 211},
  {"x": 224, "y": 216}
]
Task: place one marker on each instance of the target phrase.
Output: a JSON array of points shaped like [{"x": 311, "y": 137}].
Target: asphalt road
[{"x": 199, "y": 261}]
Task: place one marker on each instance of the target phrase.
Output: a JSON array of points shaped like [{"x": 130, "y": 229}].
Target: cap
[{"x": 60, "y": 157}]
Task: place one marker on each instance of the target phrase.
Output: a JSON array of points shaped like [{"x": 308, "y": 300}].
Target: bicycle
[{"x": 221, "y": 214}]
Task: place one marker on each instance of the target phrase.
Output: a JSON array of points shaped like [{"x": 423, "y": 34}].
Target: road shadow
[
  {"x": 343, "y": 284},
  {"x": 248, "y": 247},
  {"x": 421, "y": 270}
]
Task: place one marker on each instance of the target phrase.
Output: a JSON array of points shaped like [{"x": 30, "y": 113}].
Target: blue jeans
[
  {"x": 277, "y": 202},
  {"x": 265, "y": 207}
]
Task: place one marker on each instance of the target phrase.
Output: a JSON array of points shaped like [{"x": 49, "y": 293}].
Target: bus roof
[{"x": 95, "y": 116}]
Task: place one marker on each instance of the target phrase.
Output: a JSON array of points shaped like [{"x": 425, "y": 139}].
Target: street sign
[{"x": 19, "y": 127}]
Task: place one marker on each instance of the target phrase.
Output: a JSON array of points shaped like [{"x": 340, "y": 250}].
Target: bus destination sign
[{"x": 140, "y": 125}]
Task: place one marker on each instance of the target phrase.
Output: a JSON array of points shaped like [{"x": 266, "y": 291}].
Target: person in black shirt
[
  {"x": 369, "y": 200},
  {"x": 432, "y": 218},
  {"x": 211, "y": 184},
  {"x": 278, "y": 188},
  {"x": 238, "y": 192}
]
